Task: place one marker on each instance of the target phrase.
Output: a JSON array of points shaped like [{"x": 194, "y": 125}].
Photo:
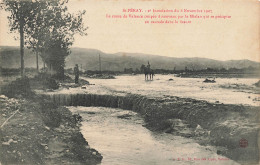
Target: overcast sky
[{"x": 235, "y": 38}]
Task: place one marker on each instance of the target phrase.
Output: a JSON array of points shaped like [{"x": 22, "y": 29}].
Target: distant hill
[{"x": 89, "y": 59}]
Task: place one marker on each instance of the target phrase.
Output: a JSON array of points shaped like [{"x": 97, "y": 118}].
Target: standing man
[
  {"x": 76, "y": 72},
  {"x": 148, "y": 66}
]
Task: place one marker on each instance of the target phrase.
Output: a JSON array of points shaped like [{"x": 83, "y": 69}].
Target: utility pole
[{"x": 99, "y": 64}]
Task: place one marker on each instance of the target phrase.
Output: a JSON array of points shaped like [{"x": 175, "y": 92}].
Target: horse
[{"x": 147, "y": 72}]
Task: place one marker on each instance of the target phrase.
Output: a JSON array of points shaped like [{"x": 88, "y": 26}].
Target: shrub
[
  {"x": 51, "y": 83},
  {"x": 46, "y": 81},
  {"x": 19, "y": 87}
]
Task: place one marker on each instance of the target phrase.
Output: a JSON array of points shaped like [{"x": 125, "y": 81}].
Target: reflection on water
[
  {"x": 225, "y": 90},
  {"x": 121, "y": 139}
]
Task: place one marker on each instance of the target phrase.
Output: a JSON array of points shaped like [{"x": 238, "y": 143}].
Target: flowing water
[
  {"x": 120, "y": 137},
  {"x": 225, "y": 90}
]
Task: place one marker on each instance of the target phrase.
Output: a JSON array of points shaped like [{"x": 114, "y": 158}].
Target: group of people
[
  {"x": 148, "y": 72},
  {"x": 76, "y": 72}
]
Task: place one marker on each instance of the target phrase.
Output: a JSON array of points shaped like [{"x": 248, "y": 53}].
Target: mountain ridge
[{"x": 89, "y": 60}]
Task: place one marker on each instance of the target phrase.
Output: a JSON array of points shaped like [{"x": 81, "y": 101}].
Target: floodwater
[
  {"x": 225, "y": 90},
  {"x": 124, "y": 141}
]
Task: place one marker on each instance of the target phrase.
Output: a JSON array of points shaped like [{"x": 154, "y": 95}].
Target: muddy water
[
  {"x": 120, "y": 137},
  {"x": 225, "y": 90}
]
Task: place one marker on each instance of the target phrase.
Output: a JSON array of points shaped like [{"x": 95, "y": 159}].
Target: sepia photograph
[{"x": 129, "y": 82}]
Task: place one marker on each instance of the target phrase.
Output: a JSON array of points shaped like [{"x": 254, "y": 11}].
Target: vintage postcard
[{"x": 129, "y": 82}]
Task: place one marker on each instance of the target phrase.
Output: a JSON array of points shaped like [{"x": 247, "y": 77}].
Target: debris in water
[
  {"x": 209, "y": 80},
  {"x": 91, "y": 113},
  {"x": 124, "y": 116}
]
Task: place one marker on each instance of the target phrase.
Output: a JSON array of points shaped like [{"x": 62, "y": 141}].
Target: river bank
[
  {"x": 35, "y": 135},
  {"x": 217, "y": 124},
  {"x": 232, "y": 129},
  {"x": 36, "y": 131}
]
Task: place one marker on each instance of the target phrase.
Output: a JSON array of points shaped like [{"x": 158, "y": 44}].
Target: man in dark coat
[{"x": 76, "y": 72}]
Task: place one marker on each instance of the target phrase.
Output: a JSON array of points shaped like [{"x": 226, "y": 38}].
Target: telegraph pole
[{"x": 99, "y": 64}]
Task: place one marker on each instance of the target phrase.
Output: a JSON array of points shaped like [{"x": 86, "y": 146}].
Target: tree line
[{"x": 47, "y": 28}]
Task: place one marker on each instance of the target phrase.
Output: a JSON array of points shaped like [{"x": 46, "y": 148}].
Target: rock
[
  {"x": 5, "y": 144},
  {"x": 198, "y": 127},
  {"x": 8, "y": 143},
  {"x": 168, "y": 130},
  {"x": 77, "y": 117},
  {"x": 199, "y": 130},
  {"x": 257, "y": 84},
  {"x": 43, "y": 144},
  {"x": 3, "y": 97},
  {"x": 62, "y": 126},
  {"x": 19, "y": 153}
]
